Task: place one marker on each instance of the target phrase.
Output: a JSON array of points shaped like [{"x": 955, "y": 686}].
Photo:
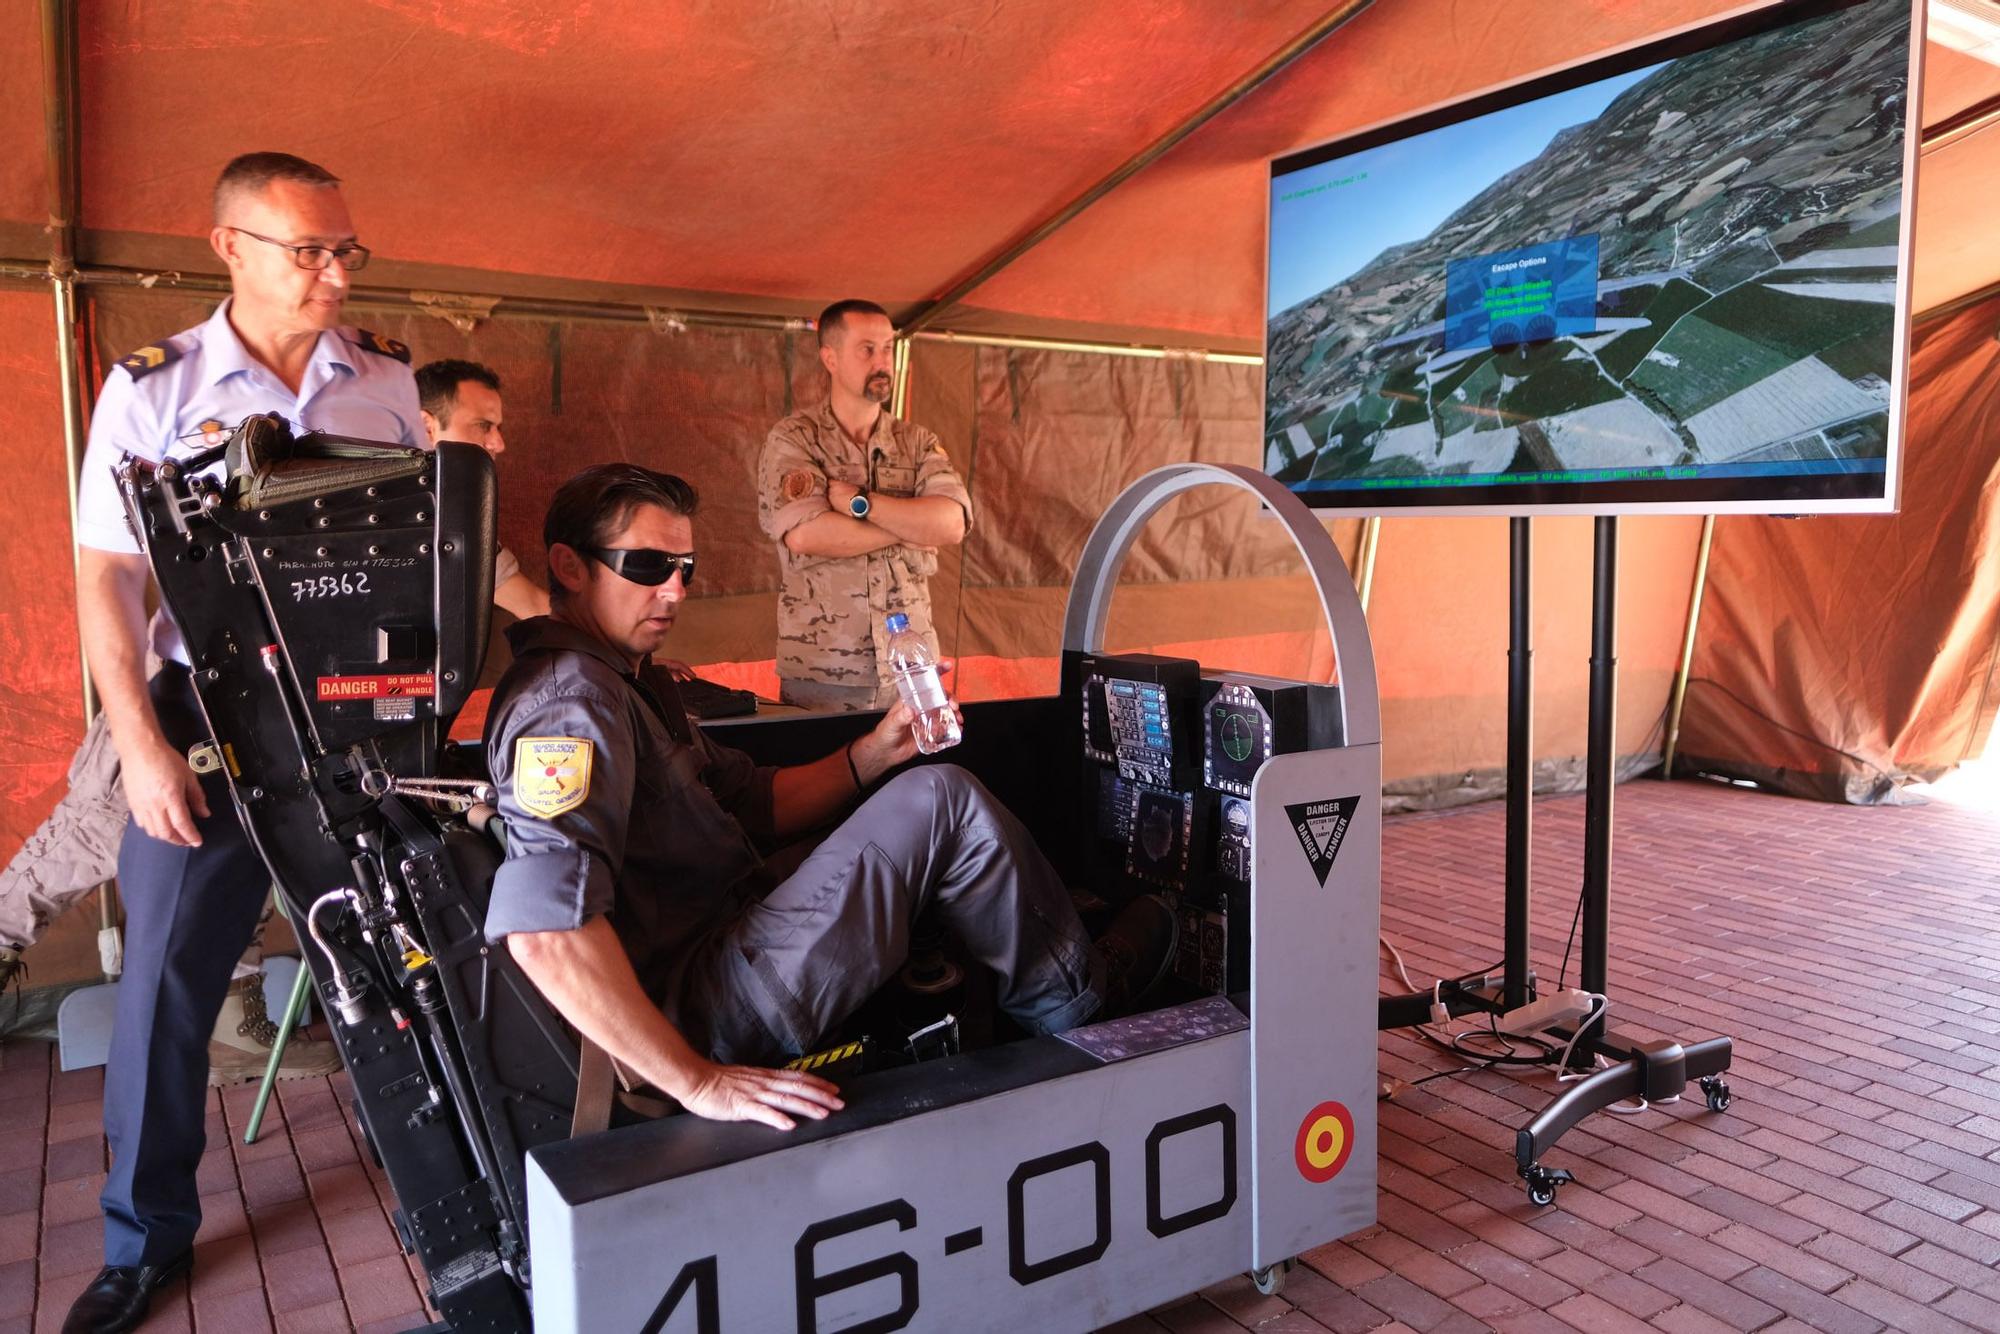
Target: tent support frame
[
  {"x": 1319, "y": 29},
  {"x": 59, "y": 115},
  {"x": 1687, "y": 646},
  {"x": 617, "y": 312}
]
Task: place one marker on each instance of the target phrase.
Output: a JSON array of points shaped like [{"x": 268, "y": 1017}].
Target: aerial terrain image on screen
[{"x": 1703, "y": 274}]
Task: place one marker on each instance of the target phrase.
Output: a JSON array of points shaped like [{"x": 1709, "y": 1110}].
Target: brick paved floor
[{"x": 1854, "y": 955}]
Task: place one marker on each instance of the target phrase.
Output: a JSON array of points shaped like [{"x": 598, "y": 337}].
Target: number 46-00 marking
[{"x": 700, "y": 1277}]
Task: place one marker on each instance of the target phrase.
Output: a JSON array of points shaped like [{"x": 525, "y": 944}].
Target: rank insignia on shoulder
[
  {"x": 551, "y": 774},
  {"x": 150, "y": 358},
  {"x": 387, "y": 347}
]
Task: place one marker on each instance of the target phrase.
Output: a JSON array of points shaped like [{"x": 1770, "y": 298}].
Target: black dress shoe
[{"x": 117, "y": 1298}]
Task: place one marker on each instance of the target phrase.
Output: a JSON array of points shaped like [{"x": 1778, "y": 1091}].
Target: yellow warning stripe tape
[{"x": 827, "y": 1057}]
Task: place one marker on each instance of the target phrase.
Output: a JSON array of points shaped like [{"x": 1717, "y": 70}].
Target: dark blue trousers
[{"x": 189, "y": 912}]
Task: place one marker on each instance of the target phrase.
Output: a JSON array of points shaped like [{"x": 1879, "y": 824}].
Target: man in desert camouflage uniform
[{"x": 858, "y": 503}]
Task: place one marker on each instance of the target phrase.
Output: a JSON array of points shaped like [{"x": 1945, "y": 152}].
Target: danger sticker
[
  {"x": 1321, "y": 825},
  {"x": 378, "y": 687}
]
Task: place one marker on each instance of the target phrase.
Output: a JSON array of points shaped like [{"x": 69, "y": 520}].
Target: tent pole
[
  {"x": 59, "y": 116},
  {"x": 899, "y": 399},
  {"x": 1041, "y": 231},
  {"x": 1364, "y": 573},
  {"x": 1968, "y": 122},
  {"x": 59, "y": 113},
  {"x": 404, "y": 298},
  {"x": 1687, "y": 645},
  {"x": 536, "y": 308},
  {"x": 1153, "y": 351}
]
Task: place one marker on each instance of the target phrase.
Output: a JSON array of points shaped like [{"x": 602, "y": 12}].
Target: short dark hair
[
  {"x": 438, "y": 382},
  {"x": 249, "y": 173},
  {"x": 597, "y": 502},
  {"x": 835, "y": 315}
]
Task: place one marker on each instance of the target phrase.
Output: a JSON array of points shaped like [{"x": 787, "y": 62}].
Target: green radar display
[{"x": 1238, "y": 739}]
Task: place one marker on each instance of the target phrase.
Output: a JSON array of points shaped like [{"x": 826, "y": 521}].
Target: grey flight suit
[{"x": 617, "y": 805}]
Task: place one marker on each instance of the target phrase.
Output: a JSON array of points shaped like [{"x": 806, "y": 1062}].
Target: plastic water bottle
[{"x": 917, "y": 681}]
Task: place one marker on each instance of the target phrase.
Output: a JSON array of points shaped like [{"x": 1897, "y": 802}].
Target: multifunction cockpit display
[
  {"x": 1237, "y": 739},
  {"x": 1170, "y": 753}
]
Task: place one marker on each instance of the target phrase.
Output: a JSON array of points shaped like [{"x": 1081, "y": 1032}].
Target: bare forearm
[
  {"x": 584, "y": 973},
  {"x": 522, "y": 597},
  {"x": 805, "y": 796},
  {"x": 111, "y": 610},
  {"x": 838, "y": 535},
  {"x": 923, "y": 521}
]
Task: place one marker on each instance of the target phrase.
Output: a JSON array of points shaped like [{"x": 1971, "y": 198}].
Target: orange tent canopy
[{"x": 772, "y": 156}]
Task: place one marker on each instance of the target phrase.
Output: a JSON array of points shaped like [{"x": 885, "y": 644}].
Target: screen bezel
[{"x": 1816, "y": 494}]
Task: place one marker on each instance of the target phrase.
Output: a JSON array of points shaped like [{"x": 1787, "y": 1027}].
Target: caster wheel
[
  {"x": 1271, "y": 1282},
  {"x": 1717, "y": 1093},
  {"x": 1542, "y": 1183}
]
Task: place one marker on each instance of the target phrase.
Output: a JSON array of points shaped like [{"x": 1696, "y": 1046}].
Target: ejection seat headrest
[{"x": 269, "y": 466}]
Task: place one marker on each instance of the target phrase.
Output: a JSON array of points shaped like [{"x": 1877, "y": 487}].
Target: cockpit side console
[{"x": 1168, "y": 755}]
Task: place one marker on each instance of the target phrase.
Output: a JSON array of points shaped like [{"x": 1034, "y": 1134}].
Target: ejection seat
[{"x": 335, "y": 596}]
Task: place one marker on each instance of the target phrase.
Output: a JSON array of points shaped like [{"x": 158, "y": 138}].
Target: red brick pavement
[{"x": 1854, "y": 955}]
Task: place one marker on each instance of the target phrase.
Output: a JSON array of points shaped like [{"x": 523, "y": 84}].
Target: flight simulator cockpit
[
  {"x": 1170, "y": 752},
  {"x": 334, "y": 597}
]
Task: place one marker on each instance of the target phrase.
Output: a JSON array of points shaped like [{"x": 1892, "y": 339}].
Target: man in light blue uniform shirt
[{"x": 192, "y": 885}]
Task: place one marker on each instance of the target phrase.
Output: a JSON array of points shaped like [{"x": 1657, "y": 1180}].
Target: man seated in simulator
[{"x": 634, "y": 896}]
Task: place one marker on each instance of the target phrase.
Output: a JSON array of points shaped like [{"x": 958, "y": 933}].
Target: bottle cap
[{"x": 897, "y": 622}]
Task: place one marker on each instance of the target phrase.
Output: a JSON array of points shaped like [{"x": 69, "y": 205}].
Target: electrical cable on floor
[{"x": 1754, "y": 712}]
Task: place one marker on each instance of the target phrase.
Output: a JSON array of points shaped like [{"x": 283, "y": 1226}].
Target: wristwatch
[{"x": 858, "y": 506}]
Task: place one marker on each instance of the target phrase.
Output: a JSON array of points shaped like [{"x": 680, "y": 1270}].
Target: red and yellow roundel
[{"x": 1326, "y": 1138}]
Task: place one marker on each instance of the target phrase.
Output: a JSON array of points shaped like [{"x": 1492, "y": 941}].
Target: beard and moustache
[{"x": 879, "y": 389}]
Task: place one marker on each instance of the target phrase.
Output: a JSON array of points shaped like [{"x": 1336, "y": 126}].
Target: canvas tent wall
[
  {"x": 762, "y": 160},
  {"x": 1839, "y": 656}
]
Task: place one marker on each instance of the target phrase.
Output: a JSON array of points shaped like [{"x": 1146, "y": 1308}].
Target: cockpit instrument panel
[
  {"x": 1139, "y": 716},
  {"x": 1245, "y": 720},
  {"x": 1170, "y": 755},
  {"x": 1236, "y": 738}
]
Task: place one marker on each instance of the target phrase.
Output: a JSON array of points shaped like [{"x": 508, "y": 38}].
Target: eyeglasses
[
  {"x": 352, "y": 256},
  {"x": 643, "y": 565}
]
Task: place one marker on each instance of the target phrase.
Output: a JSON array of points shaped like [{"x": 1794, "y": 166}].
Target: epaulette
[
  {"x": 150, "y": 358},
  {"x": 376, "y": 343}
]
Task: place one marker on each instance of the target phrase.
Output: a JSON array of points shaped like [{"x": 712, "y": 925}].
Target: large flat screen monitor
[{"x": 1671, "y": 279}]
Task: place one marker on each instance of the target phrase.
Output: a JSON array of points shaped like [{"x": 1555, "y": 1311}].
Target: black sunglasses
[{"x": 643, "y": 565}]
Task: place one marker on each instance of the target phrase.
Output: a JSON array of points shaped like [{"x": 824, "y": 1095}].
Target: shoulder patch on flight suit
[
  {"x": 150, "y": 358},
  {"x": 551, "y": 774},
  {"x": 387, "y": 347}
]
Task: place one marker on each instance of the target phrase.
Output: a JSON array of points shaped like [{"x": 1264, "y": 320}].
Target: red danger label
[{"x": 377, "y": 687}]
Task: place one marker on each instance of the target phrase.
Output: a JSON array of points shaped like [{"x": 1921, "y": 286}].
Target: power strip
[{"x": 1558, "y": 1007}]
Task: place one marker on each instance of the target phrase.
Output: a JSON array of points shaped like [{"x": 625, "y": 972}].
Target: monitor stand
[{"x": 1650, "y": 1069}]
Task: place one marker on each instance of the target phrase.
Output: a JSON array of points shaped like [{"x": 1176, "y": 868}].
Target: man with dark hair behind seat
[
  {"x": 634, "y": 894},
  {"x": 461, "y": 401}
]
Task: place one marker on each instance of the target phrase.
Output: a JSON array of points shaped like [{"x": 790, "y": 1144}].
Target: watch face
[{"x": 858, "y": 507}]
